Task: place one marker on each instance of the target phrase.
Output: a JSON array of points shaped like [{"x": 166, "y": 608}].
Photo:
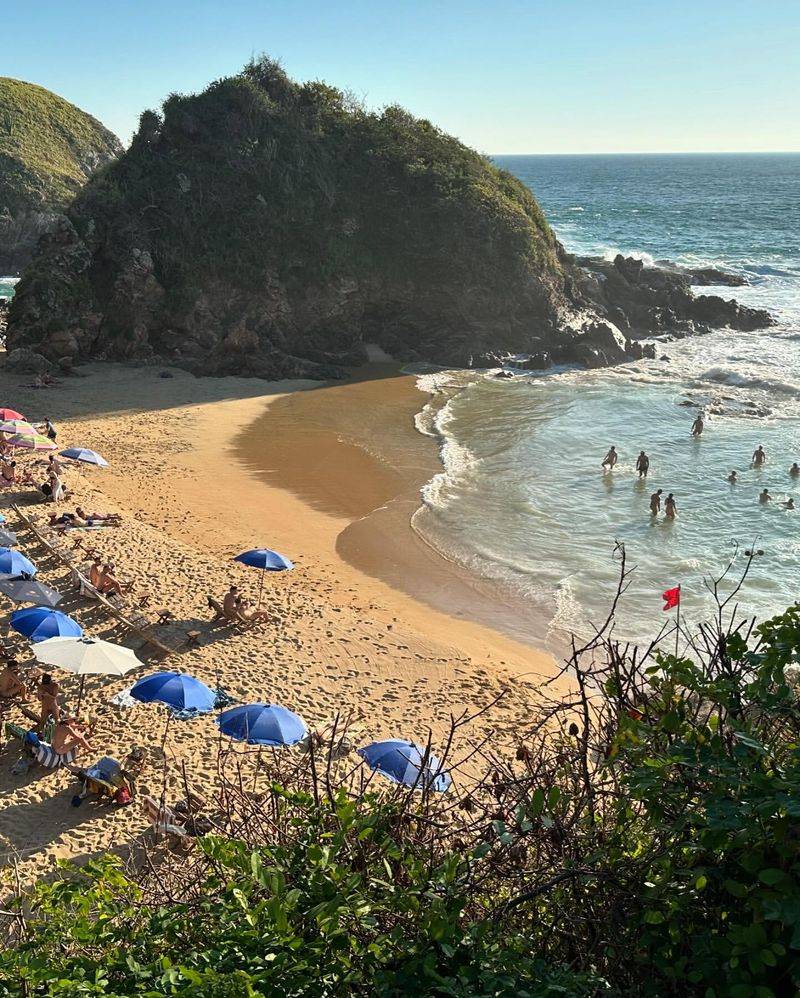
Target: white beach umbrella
[{"x": 86, "y": 657}]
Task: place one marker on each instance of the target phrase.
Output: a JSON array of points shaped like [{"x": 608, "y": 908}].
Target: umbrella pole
[
  {"x": 261, "y": 588},
  {"x": 80, "y": 694},
  {"x": 164, "y": 753}
]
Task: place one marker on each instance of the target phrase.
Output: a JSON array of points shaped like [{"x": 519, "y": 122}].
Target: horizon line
[{"x": 666, "y": 152}]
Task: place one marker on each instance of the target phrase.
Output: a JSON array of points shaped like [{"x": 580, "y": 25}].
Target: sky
[{"x": 561, "y": 76}]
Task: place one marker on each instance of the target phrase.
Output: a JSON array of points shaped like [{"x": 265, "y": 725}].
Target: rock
[
  {"x": 538, "y": 361},
  {"x": 25, "y": 361}
]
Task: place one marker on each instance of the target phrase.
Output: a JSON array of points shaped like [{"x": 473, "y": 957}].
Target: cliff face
[
  {"x": 273, "y": 228},
  {"x": 48, "y": 150}
]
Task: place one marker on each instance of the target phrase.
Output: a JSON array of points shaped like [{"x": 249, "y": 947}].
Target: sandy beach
[{"x": 201, "y": 469}]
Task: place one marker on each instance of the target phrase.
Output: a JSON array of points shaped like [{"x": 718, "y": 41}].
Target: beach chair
[
  {"x": 106, "y": 780},
  {"x": 219, "y": 613}
]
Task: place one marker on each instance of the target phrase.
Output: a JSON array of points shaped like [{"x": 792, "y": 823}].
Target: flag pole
[{"x": 678, "y": 622}]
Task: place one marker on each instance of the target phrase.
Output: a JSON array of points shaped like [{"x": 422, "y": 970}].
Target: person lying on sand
[
  {"x": 95, "y": 517},
  {"x": 759, "y": 456},
  {"x": 47, "y": 694},
  {"x": 764, "y": 496},
  {"x": 11, "y": 685}
]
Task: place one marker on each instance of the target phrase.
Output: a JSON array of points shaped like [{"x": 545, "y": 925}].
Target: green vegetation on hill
[
  {"x": 48, "y": 147},
  {"x": 290, "y": 216}
]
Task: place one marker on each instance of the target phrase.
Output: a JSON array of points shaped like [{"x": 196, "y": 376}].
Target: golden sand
[{"x": 202, "y": 469}]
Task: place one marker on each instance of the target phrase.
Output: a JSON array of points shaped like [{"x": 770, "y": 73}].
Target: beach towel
[
  {"x": 124, "y": 698},
  {"x": 47, "y": 756}
]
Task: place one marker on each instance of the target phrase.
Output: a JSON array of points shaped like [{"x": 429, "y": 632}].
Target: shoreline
[{"x": 343, "y": 641}]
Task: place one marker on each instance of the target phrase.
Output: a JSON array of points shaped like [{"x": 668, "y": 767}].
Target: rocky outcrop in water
[{"x": 271, "y": 228}]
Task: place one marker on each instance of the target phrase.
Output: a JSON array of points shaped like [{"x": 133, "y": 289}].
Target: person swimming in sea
[
  {"x": 764, "y": 496},
  {"x": 759, "y": 456},
  {"x": 611, "y": 458},
  {"x": 732, "y": 478},
  {"x": 670, "y": 507},
  {"x": 794, "y": 471},
  {"x": 655, "y": 502},
  {"x": 698, "y": 425},
  {"x": 789, "y": 504},
  {"x": 642, "y": 464}
]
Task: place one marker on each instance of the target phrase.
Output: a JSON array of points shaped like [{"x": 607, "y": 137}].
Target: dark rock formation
[
  {"x": 273, "y": 229},
  {"x": 48, "y": 150}
]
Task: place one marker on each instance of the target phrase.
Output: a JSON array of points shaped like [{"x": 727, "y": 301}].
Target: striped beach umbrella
[
  {"x": 12, "y": 426},
  {"x": 6, "y": 414},
  {"x": 28, "y": 442},
  {"x": 85, "y": 455}
]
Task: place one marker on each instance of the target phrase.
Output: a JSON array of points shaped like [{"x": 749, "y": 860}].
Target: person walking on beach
[
  {"x": 47, "y": 695},
  {"x": 764, "y": 496},
  {"x": 698, "y": 425},
  {"x": 759, "y": 456},
  {"x": 655, "y": 502},
  {"x": 611, "y": 458},
  {"x": 670, "y": 507},
  {"x": 732, "y": 478},
  {"x": 642, "y": 464},
  {"x": 49, "y": 430}
]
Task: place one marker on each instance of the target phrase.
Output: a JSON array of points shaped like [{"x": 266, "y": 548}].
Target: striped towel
[{"x": 47, "y": 756}]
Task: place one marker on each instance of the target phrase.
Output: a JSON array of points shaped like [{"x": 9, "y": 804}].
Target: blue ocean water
[{"x": 522, "y": 499}]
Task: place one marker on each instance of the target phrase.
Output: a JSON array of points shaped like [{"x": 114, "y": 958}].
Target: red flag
[{"x": 671, "y": 597}]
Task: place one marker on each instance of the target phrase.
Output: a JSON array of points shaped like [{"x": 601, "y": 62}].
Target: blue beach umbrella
[
  {"x": 175, "y": 690},
  {"x": 262, "y": 724},
  {"x": 403, "y": 762},
  {"x": 42, "y": 622},
  {"x": 267, "y": 561},
  {"x": 14, "y": 563},
  {"x": 85, "y": 455}
]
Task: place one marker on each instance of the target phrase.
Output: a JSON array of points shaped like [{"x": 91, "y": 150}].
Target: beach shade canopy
[
  {"x": 18, "y": 426},
  {"x": 42, "y": 622},
  {"x": 8, "y": 538},
  {"x": 263, "y": 558},
  {"x": 35, "y": 442},
  {"x": 86, "y": 656},
  {"x": 402, "y": 762},
  {"x": 12, "y": 563},
  {"x": 262, "y": 724},
  {"x": 8, "y": 414},
  {"x": 85, "y": 455},
  {"x": 28, "y": 591},
  {"x": 175, "y": 690}
]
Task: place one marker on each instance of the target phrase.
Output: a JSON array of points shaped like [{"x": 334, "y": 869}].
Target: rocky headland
[
  {"x": 272, "y": 228},
  {"x": 48, "y": 150}
]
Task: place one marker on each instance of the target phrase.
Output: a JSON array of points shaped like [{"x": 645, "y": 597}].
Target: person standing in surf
[
  {"x": 655, "y": 502},
  {"x": 732, "y": 478},
  {"x": 698, "y": 425},
  {"x": 670, "y": 507},
  {"x": 642, "y": 464},
  {"x": 611, "y": 458},
  {"x": 764, "y": 497},
  {"x": 759, "y": 456}
]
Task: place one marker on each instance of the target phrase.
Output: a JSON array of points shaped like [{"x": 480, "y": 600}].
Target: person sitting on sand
[
  {"x": 642, "y": 464},
  {"x": 53, "y": 464},
  {"x": 764, "y": 496},
  {"x": 794, "y": 471},
  {"x": 655, "y": 502},
  {"x": 251, "y": 616},
  {"x": 8, "y": 470},
  {"x": 670, "y": 507},
  {"x": 698, "y": 425},
  {"x": 759, "y": 456},
  {"x": 789, "y": 504},
  {"x": 95, "y": 573},
  {"x": 11, "y": 684},
  {"x": 57, "y": 490},
  {"x": 47, "y": 694},
  {"x": 108, "y": 584},
  {"x": 611, "y": 458},
  {"x": 69, "y": 734},
  {"x": 732, "y": 478},
  {"x": 230, "y": 604}
]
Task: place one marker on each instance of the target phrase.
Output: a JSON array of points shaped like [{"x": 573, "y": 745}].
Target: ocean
[{"x": 522, "y": 500}]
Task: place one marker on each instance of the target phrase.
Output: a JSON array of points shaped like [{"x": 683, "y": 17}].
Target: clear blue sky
[{"x": 505, "y": 76}]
